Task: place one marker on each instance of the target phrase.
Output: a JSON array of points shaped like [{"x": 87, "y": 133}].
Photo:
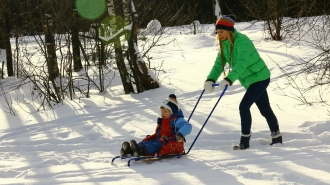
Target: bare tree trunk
[
  {"x": 141, "y": 76},
  {"x": 124, "y": 75},
  {"x": 99, "y": 51},
  {"x": 4, "y": 20},
  {"x": 53, "y": 69},
  {"x": 77, "y": 65}
]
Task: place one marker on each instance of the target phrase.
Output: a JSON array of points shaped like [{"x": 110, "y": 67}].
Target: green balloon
[{"x": 91, "y": 9}]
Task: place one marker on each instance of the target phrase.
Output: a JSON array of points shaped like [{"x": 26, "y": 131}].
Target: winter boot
[
  {"x": 244, "y": 142},
  {"x": 276, "y": 137},
  {"x": 125, "y": 149},
  {"x": 137, "y": 150}
]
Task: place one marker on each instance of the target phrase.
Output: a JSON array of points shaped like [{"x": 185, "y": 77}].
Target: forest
[{"x": 85, "y": 40}]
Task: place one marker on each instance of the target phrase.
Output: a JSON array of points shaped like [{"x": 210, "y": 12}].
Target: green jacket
[{"x": 247, "y": 65}]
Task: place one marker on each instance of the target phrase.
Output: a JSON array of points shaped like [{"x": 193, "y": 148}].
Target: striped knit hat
[{"x": 226, "y": 22}]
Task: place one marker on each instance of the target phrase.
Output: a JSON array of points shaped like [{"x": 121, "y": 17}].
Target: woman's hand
[{"x": 208, "y": 85}]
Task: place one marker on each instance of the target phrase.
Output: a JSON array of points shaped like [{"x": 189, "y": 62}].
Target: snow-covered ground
[{"x": 74, "y": 143}]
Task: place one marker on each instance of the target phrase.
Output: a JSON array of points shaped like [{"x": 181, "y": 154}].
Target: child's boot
[
  {"x": 137, "y": 150},
  {"x": 125, "y": 149},
  {"x": 244, "y": 142}
]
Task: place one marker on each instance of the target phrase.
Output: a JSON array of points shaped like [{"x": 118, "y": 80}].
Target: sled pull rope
[{"x": 223, "y": 92}]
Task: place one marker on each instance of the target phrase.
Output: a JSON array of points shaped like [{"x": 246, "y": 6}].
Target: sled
[
  {"x": 151, "y": 157},
  {"x": 156, "y": 156}
]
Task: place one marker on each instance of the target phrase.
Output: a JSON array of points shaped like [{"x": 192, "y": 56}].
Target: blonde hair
[{"x": 231, "y": 41}]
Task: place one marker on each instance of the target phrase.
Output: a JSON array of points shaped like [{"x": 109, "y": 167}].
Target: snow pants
[{"x": 171, "y": 147}]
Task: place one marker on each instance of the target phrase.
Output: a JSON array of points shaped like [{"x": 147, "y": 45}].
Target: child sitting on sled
[{"x": 169, "y": 135}]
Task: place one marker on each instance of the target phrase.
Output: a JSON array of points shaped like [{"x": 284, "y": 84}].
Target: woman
[{"x": 238, "y": 51}]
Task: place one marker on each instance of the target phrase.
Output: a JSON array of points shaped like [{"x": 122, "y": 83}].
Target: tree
[
  {"x": 5, "y": 36},
  {"x": 77, "y": 65},
  {"x": 139, "y": 75},
  {"x": 118, "y": 19},
  {"x": 140, "y": 70},
  {"x": 51, "y": 58}
]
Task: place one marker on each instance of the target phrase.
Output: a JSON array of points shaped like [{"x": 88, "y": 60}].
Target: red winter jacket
[{"x": 162, "y": 130}]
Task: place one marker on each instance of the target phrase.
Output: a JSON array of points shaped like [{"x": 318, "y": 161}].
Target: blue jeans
[{"x": 257, "y": 93}]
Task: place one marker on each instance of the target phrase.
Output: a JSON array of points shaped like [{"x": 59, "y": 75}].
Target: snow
[{"x": 74, "y": 143}]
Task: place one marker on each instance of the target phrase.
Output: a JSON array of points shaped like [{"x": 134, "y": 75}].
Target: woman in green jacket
[{"x": 238, "y": 51}]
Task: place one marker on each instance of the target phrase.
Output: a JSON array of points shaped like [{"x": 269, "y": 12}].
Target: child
[
  {"x": 169, "y": 135},
  {"x": 238, "y": 51}
]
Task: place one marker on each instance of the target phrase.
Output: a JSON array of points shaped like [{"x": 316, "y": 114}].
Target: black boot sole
[
  {"x": 276, "y": 140},
  {"x": 238, "y": 147}
]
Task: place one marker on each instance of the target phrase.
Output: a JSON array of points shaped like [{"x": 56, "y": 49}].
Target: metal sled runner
[{"x": 132, "y": 158}]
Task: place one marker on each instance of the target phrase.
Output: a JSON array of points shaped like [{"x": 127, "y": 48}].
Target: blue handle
[
  {"x": 213, "y": 85},
  {"x": 223, "y": 92},
  {"x": 196, "y": 105}
]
